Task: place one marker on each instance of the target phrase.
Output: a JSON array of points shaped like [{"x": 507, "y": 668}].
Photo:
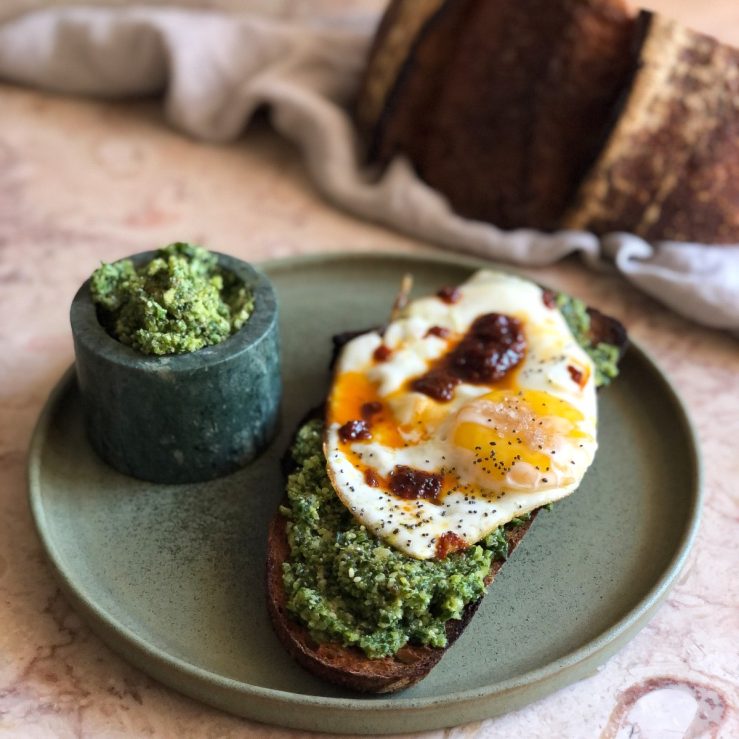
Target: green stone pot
[{"x": 183, "y": 417}]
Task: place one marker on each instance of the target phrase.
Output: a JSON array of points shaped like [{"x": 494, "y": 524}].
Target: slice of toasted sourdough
[{"x": 349, "y": 666}]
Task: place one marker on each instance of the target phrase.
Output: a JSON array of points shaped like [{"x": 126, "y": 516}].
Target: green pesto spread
[
  {"x": 346, "y": 586},
  {"x": 178, "y": 302},
  {"x": 605, "y": 356}
]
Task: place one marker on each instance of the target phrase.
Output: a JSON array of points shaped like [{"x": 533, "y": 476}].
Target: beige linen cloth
[{"x": 215, "y": 69}]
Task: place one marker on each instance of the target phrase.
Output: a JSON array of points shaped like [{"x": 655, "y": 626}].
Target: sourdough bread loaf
[{"x": 559, "y": 114}]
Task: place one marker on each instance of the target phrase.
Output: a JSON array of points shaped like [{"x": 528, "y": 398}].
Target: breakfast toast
[{"x": 350, "y": 666}]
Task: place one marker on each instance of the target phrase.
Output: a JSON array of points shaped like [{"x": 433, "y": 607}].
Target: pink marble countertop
[{"x": 83, "y": 181}]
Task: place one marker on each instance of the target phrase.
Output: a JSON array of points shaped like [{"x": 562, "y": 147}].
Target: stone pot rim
[{"x": 87, "y": 329}]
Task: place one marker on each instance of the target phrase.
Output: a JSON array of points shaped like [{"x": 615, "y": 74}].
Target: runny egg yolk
[
  {"x": 515, "y": 437},
  {"x": 523, "y": 438},
  {"x": 353, "y": 398},
  {"x": 460, "y": 416}
]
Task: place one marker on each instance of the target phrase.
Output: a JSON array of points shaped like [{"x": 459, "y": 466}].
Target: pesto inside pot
[{"x": 180, "y": 301}]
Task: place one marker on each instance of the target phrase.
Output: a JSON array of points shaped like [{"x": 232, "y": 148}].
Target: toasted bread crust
[
  {"x": 348, "y": 666},
  {"x": 607, "y": 330}
]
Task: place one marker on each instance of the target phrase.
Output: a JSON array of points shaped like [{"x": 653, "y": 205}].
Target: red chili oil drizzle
[
  {"x": 411, "y": 484},
  {"x": 382, "y": 353},
  {"x": 370, "y": 409},
  {"x": 575, "y": 374},
  {"x": 354, "y": 430},
  {"x": 549, "y": 298},
  {"x": 438, "y": 383},
  {"x": 492, "y": 347},
  {"x": 447, "y": 543},
  {"x": 439, "y": 331},
  {"x": 449, "y": 294},
  {"x": 372, "y": 478}
]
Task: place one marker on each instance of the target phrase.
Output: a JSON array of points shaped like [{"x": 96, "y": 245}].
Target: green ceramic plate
[{"x": 172, "y": 577}]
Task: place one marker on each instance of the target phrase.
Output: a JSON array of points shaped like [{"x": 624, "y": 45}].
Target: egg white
[{"x": 478, "y": 503}]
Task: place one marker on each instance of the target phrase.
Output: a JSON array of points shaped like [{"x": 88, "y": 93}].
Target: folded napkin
[{"x": 215, "y": 69}]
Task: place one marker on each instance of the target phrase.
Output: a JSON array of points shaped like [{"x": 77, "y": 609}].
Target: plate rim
[{"x": 614, "y": 637}]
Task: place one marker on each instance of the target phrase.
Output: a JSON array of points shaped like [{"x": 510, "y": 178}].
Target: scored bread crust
[
  {"x": 559, "y": 114},
  {"x": 349, "y": 666},
  {"x": 501, "y": 106},
  {"x": 670, "y": 167}
]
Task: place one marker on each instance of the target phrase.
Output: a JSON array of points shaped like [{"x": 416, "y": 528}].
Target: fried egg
[{"x": 474, "y": 406}]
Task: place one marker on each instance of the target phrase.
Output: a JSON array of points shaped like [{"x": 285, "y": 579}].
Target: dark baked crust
[
  {"x": 502, "y": 105},
  {"x": 607, "y": 330},
  {"x": 670, "y": 169},
  {"x": 559, "y": 114},
  {"x": 400, "y": 28},
  {"x": 348, "y": 666}
]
